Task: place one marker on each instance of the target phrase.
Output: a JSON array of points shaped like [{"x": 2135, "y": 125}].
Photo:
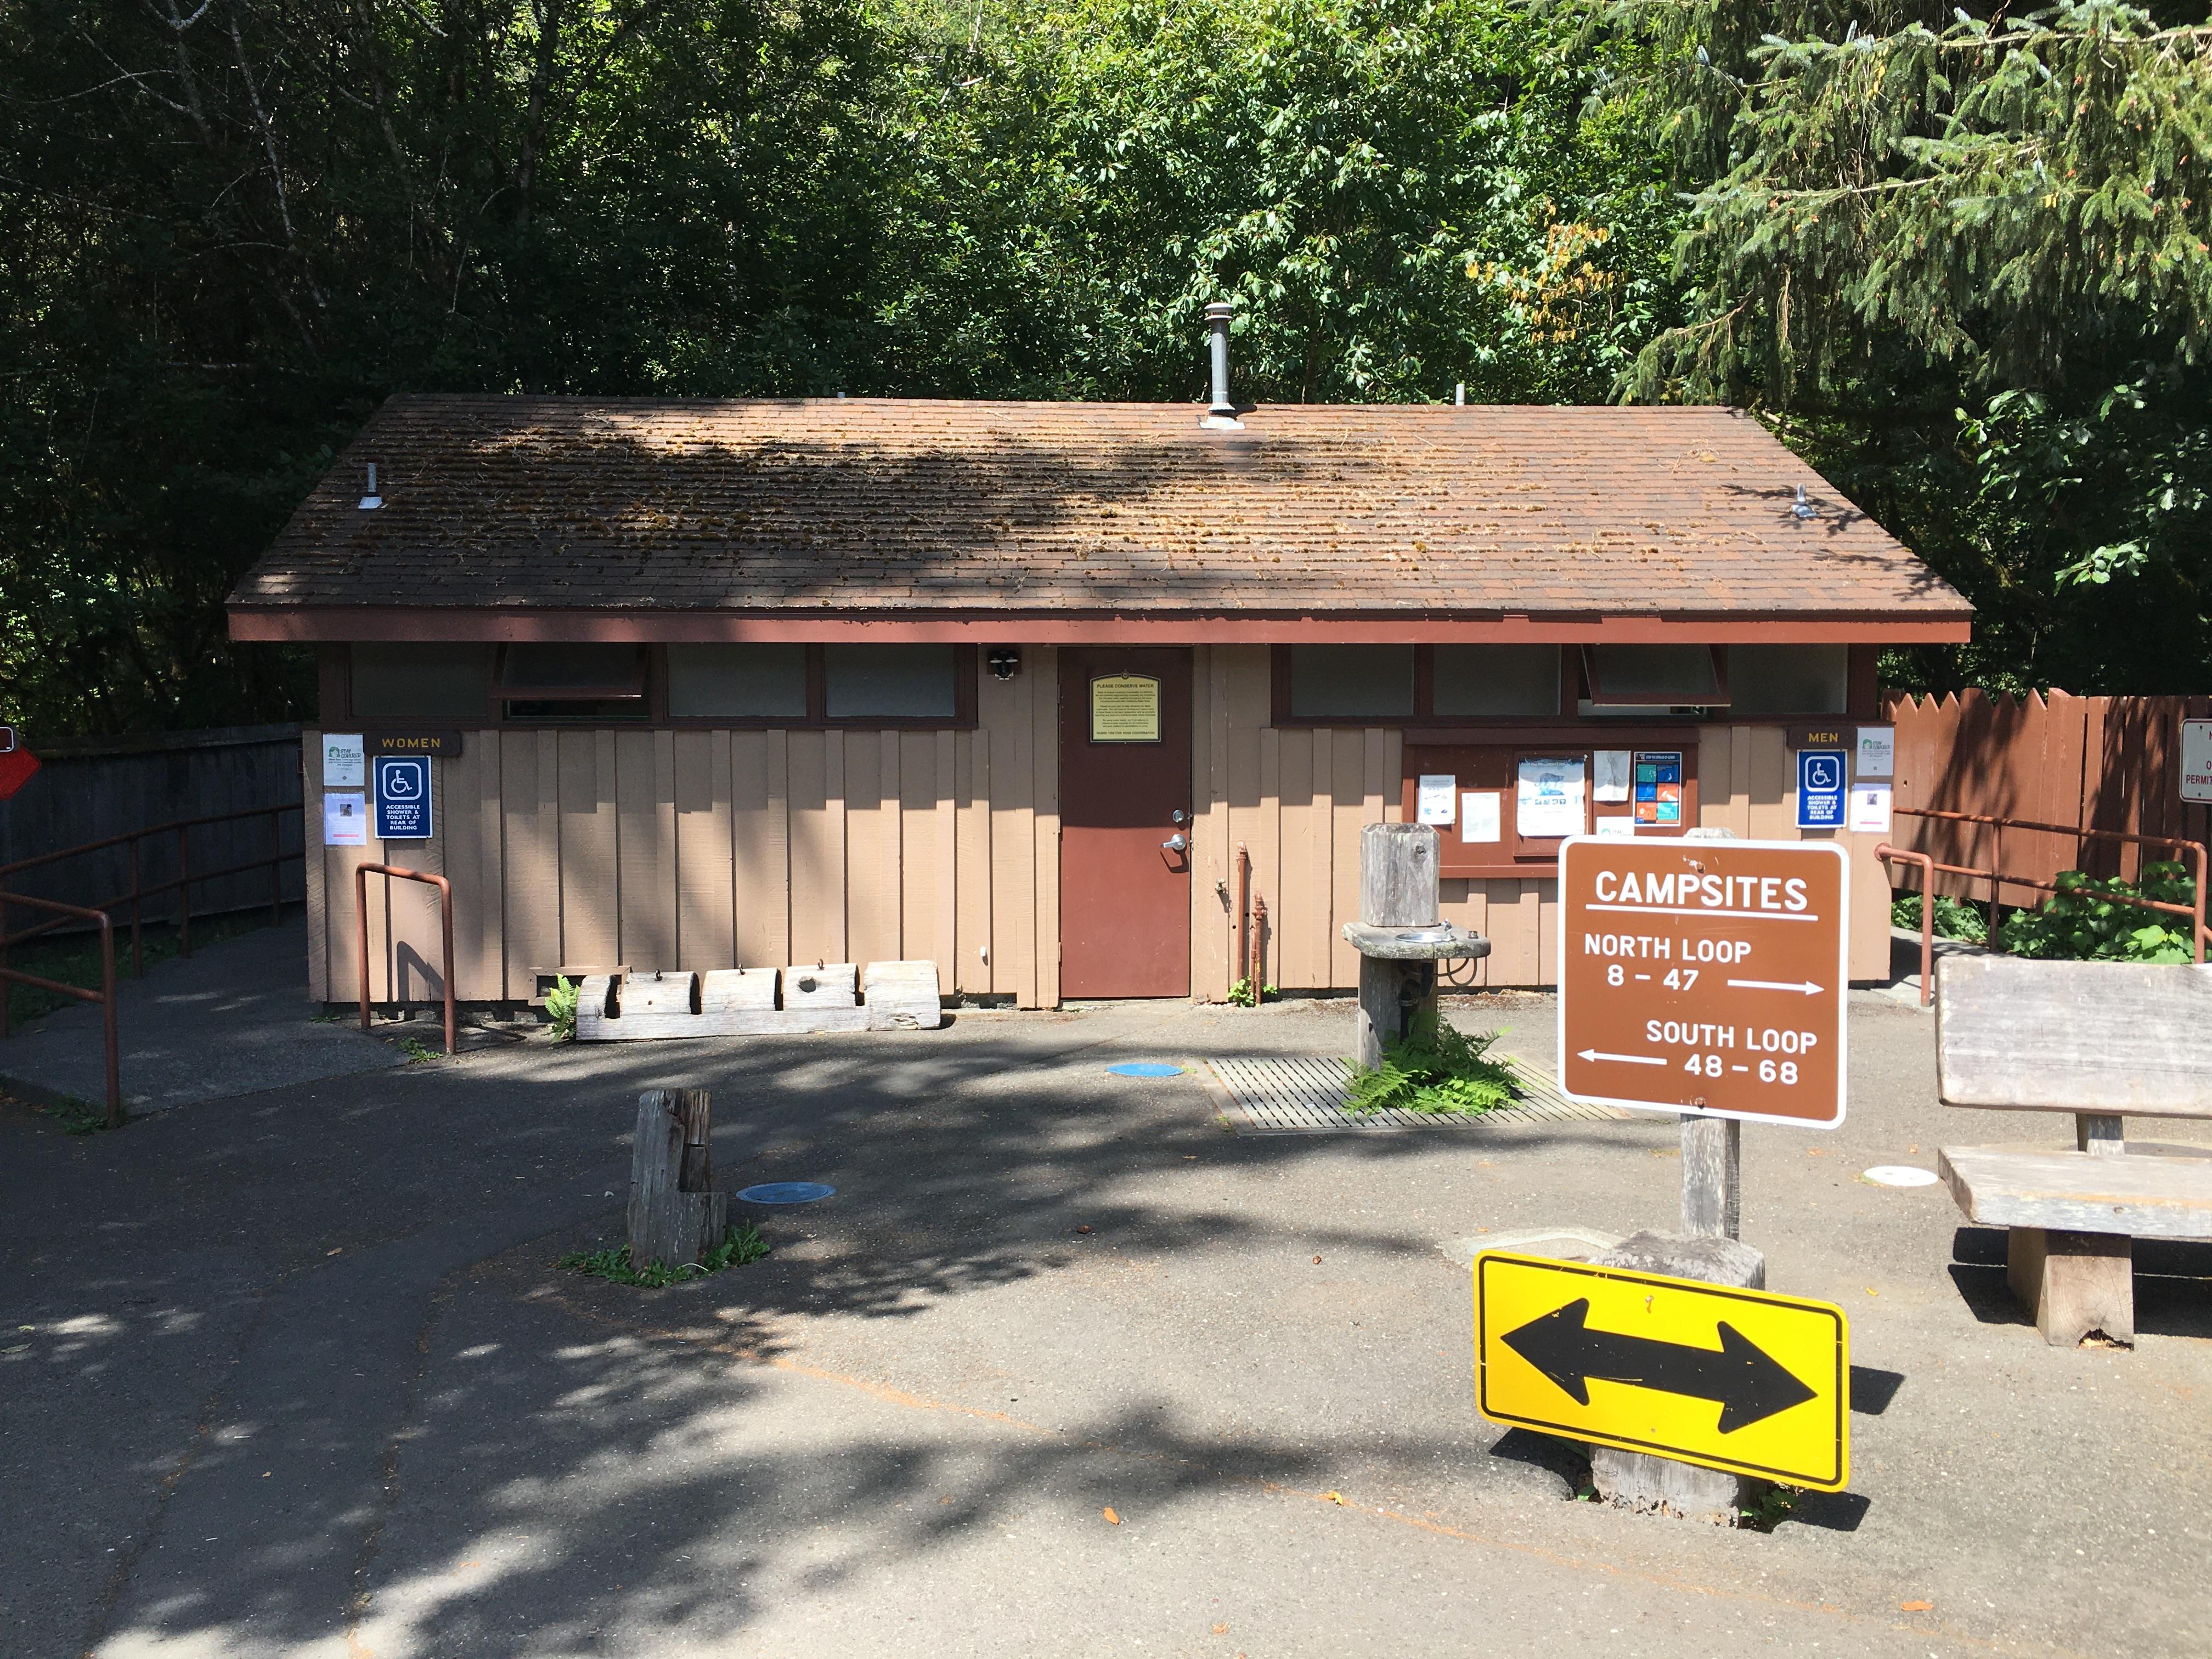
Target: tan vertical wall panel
[
  {"x": 919, "y": 850},
  {"x": 1348, "y": 808},
  {"x": 314, "y": 867},
  {"x": 591, "y": 874},
  {"x": 818, "y": 846},
  {"x": 944, "y": 931},
  {"x": 972, "y": 811},
  {"x": 761, "y": 836},
  {"x": 1772, "y": 811},
  {"x": 871, "y": 847},
  {"x": 1738, "y": 820},
  {"x": 705, "y": 889},
  {"x": 471, "y": 832},
  {"x": 1268, "y": 861},
  {"x": 1044, "y": 729},
  {"x": 529, "y": 788},
  {"x": 645, "y": 849},
  {"x": 1005, "y": 714},
  {"x": 1303, "y": 954},
  {"x": 1716, "y": 753}
]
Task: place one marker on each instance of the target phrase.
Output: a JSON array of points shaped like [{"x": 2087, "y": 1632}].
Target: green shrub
[
  {"x": 1434, "y": 1068},
  {"x": 742, "y": 1246},
  {"x": 1245, "y": 994},
  {"x": 561, "y": 1009},
  {"x": 1954, "y": 918},
  {"x": 2081, "y": 923}
]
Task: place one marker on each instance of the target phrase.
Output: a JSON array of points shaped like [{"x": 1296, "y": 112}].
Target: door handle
[{"x": 1177, "y": 843}]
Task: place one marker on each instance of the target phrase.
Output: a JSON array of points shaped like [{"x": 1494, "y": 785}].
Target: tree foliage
[
  {"x": 1966, "y": 262},
  {"x": 227, "y": 229}
]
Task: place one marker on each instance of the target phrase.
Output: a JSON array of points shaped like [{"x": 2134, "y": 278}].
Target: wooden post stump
[
  {"x": 1639, "y": 1481},
  {"x": 675, "y": 1214},
  {"x": 1398, "y": 887}
]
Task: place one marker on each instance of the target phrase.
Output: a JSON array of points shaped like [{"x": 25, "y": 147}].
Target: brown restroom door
[{"x": 1124, "y": 776}]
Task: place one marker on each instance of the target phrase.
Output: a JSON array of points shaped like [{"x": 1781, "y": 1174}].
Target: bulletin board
[{"x": 1659, "y": 790}]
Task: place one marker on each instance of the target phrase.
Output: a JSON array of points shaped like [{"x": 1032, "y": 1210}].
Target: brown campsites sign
[{"x": 1704, "y": 977}]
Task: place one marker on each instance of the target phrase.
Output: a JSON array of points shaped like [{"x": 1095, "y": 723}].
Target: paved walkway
[
  {"x": 231, "y": 1019},
  {"x": 291, "y": 1373}
]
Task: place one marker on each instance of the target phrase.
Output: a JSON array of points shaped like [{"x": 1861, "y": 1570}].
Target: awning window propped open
[
  {"x": 572, "y": 673},
  {"x": 1656, "y": 676}
]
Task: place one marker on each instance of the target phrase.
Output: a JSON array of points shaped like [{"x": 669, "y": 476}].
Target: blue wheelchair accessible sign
[
  {"x": 403, "y": 798},
  {"x": 1820, "y": 785}
]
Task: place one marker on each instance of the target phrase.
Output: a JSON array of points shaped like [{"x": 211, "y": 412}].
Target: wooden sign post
[{"x": 1707, "y": 978}]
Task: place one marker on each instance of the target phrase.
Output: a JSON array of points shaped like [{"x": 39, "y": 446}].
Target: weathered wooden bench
[{"x": 2103, "y": 1040}]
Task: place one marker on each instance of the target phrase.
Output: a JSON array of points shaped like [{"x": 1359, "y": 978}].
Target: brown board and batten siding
[
  {"x": 709, "y": 848},
  {"x": 1295, "y": 799},
  {"x": 702, "y": 849}
]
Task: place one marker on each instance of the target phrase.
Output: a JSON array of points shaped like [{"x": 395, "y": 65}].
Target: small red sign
[{"x": 17, "y": 766}]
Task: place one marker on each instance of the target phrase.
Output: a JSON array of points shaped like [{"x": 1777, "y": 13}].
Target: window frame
[
  {"x": 1863, "y": 698},
  {"x": 335, "y": 687}
]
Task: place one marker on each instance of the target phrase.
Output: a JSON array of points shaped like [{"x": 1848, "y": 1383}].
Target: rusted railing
[
  {"x": 105, "y": 996},
  {"x": 1998, "y": 880},
  {"x": 360, "y": 875},
  {"x": 186, "y": 878},
  {"x": 1889, "y": 855}
]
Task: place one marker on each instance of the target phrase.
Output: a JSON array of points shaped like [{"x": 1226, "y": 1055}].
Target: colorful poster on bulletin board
[{"x": 1658, "y": 788}]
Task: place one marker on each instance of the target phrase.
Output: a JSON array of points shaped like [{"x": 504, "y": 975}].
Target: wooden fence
[{"x": 2093, "y": 763}]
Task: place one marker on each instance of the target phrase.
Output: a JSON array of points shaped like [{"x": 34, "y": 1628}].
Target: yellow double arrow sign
[{"x": 1738, "y": 1380}]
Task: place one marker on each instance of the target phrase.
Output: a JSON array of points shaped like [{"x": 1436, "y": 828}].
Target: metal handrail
[
  {"x": 183, "y": 882},
  {"x": 1998, "y": 880},
  {"x": 360, "y": 875},
  {"x": 1887, "y": 854},
  {"x": 105, "y": 996}
]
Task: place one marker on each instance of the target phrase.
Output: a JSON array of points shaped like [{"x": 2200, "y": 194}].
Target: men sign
[
  {"x": 1732, "y": 1379},
  {"x": 1704, "y": 977}
]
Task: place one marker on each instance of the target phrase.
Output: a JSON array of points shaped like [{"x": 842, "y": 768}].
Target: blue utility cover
[
  {"x": 784, "y": 1192},
  {"x": 403, "y": 798},
  {"x": 1145, "y": 1069},
  {"x": 1822, "y": 779}
]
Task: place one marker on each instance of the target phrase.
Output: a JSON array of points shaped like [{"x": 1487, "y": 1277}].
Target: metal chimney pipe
[{"x": 1217, "y": 320}]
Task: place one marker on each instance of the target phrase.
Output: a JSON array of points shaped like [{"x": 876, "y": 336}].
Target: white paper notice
[
  {"x": 1611, "y": 781},
  {"x": 1877, "y": 757},
  {"x": 345, "y": 819},
  {"x": 1620, "y": 827},
  {"x": 2196, "y": 760},
  {"x": 1433, "y": 802},
  {"x": 1869, "y": 809},
  {"x": 1550, "y": 800},
  {"x": 343, "y": 767},
  {"x": 1480, "y": 819}
]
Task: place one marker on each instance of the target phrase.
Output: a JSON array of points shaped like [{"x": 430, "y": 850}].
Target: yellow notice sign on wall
[
  {"x": 1125, "y": 709},
  {"x": 1731, "y": 1379}
]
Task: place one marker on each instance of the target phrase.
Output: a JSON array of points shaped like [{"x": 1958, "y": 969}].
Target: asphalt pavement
[{"x": 292, "y": 1372}]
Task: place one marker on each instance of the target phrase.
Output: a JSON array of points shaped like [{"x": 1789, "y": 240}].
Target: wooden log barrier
[{"x": 676, "y": 1216}]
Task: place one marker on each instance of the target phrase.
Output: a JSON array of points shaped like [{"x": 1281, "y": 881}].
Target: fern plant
[
  {"x": 1434, "y": 1067},
  {"x": 561, "y": 1009}
]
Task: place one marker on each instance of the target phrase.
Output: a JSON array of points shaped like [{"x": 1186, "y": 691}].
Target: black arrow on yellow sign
[{"x": 1749, "y": 1382}]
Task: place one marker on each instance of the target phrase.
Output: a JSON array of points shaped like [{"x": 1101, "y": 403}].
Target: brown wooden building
[{"x": 754, "y": 682}]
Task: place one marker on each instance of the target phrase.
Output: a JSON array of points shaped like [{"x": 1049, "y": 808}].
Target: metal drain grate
[{"x": 1304, "y": 1095}]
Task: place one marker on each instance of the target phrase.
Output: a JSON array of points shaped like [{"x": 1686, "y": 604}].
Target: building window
[
  {"x": 736, "y": 682},
  {"x": 890, "y": 682},
  {"x": 1354, "y": 681},
  {"x": 574, "y": 682},
  {"x": 1790, "y": 679},
  {"x": 1492, "y": 680},
  {"x": 420, "y": 682},
  {"x": 1636, "y": 680}
]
